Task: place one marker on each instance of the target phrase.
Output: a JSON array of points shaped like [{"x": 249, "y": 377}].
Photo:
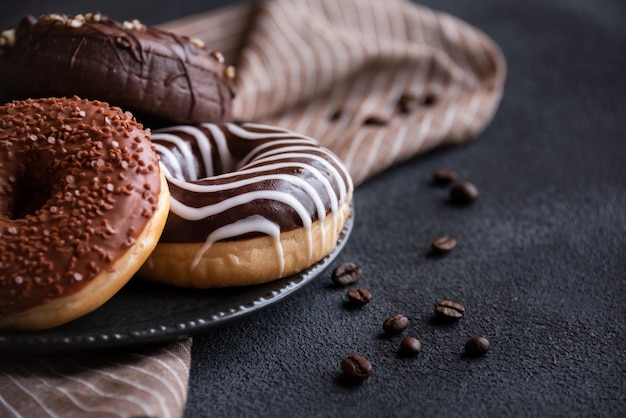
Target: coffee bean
[
  {"x": 429, "y": 100},
  {"x": 410, "y": 346},
  {"x": 336, "y": 115},
  {"x": 463, "y": 193},
  {"x": 447, "y": 309},
  {"x": 443, "y": 176},
  {"x": 356, "y": 367},
  {"x": 359, "y": 297},
  {"x": 375, "y": 120},
  {"x": 346, "y": 274},
  {"x": 443, "y": 244},
  {"x": 477, "y": 346},
  {"x": 395, "y": 324},
  {"x": 407, "y": 103}
]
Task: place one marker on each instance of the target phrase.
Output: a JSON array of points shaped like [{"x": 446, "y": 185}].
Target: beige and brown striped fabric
[
  {"x": 142, "y": 383},
  {"x": 378, "y": 82}
]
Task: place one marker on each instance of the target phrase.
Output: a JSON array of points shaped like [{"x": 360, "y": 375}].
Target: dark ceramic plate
[{"x": 143, "y": 313}]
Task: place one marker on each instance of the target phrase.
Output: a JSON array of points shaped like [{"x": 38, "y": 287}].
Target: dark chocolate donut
[{"x": 155, "y": 74}]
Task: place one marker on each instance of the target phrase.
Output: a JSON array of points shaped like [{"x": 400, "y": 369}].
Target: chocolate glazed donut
[
  {"x": 249, "y": 203},
  {"x": 155, "y": 74},
  {"x": 82, "y": 204}
]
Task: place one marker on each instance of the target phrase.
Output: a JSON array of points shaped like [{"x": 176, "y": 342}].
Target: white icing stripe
[
  {"x": 171, "y": 159},
  {"x": 241, "y": 171},
  {"x": 310, "y": 190},
  {"x": 282, "y": 152},
  {"x": 258, "y": 176},
  {"x": 305, "y": 150},
  {"x": 277, "y": 145},
  {"x": 291, "y": 139},
  {"x": 241, "y": 132},
  {"x": 204, "y": 144},
  {"x": 321, "y": 211},
  {"x": 222, "y": 147},
  {"x": 195, "y": 214},
  {"x": 338, "y": 178},
  {"x": 185, "y": 149},
  {"x": 255, "y": 125},
  {"x": 254, "y": 223}
]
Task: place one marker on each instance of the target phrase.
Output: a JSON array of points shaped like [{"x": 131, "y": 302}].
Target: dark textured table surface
[{"x": 539, "y": 264}]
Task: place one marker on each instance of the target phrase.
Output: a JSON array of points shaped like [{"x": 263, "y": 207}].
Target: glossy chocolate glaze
[
  {"x": 79, "y": 181},
  {"x": 219, "y": 175},
  {"x": 151, "y": 72}
]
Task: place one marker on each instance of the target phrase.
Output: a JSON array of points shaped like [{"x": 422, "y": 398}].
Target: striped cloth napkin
[{"x": 378, "y": 82}]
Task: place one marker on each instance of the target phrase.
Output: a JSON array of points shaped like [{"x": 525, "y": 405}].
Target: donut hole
[{"x": 29, "y": 195}]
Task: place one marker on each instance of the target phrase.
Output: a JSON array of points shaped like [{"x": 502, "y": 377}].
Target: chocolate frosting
[
  {"x": 220, "y": 175},
  {"x": 155, "y": 74},
  {"x": 79, "y": 181}
]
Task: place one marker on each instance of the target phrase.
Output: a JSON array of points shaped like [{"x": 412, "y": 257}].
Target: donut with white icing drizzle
[{"x": 249, "y": 203}]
